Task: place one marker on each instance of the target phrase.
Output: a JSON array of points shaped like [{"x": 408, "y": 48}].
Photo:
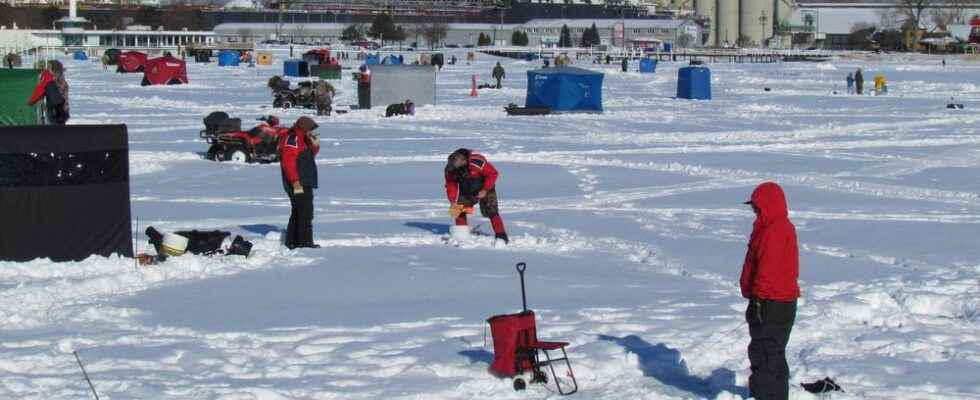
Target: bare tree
[
  {"x": 889, "y": 18},
  {"x": 434, "y": 33},
  {"x": 953, "y": 12},
  {"x": 860, "y": 26}
]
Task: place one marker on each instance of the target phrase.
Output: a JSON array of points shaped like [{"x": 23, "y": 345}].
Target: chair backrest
[{"x": 512, "y": 335}]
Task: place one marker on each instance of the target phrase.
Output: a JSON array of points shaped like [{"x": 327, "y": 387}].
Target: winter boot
[{"x": 503, "y": 236}]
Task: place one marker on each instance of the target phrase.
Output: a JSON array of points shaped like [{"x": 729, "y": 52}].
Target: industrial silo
[
  {"x": 727, "y": 22},
  {"x": 755, "y": 20},
  {"x": 706, "y": 9}
]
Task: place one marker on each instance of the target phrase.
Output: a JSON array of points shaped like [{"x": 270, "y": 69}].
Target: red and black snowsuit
[
  {"x": 298, "y": 164},
  {"x": 54, "y": 91},
  {"x": 464, "y": 184},
  {"x": 769, "y": 281}
]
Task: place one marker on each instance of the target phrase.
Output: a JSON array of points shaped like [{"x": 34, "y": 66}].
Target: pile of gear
[
  {"x": 207, "y": 243},
  {"x": 230, "y": 143},
  {"x": 316, "y": 95}
]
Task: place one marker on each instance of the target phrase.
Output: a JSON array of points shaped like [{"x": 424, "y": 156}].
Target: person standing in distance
[
  {"x": 769, "y": 282},
  {"x": 298, "y": 148}
]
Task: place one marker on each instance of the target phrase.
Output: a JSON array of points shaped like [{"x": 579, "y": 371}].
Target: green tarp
[
  {"x": 16, "y": 86},
  {"x": 325, "y": 71}
]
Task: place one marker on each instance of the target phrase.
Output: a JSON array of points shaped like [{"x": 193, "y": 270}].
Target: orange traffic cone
[{"x": 473, "y": 92}]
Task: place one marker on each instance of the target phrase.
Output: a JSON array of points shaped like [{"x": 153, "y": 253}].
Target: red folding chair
[{"x": 516, "y": 349}]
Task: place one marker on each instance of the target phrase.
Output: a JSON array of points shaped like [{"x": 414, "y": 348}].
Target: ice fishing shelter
[
  {"x": 64, "y": 192},
  {"x": 392, "y": 59},
  {"x": 372, "y": 59},
  {"x": 648, "y": 65},
  {"x": 565, "y": 89},
  {"x": 264, "y": 58},
  {"x": 165, "y": 70},
  {"x": 392, "y": 84},
  {"x": 80, "y": 55},
  {"x": 297, "y": 68},
  {"x": 694, "y": 83},
  {"x": 228, "y": 58},
  {"x": 16, "y": 86},
  {"x": 131, "y": 61}
]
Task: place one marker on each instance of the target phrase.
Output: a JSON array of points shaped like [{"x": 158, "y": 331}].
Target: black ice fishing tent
[{"x": 64, "y": 192}]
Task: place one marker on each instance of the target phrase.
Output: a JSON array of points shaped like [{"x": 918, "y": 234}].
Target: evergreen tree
[
  {"x": 566, "y": 37},
  {"x": 591, "y": 37},
  {"x": 352, "y": 33},
  {"x": 383, "y": 28},
  {"x": 484, "y": 40},
  {"x": 518, "y": 38}
]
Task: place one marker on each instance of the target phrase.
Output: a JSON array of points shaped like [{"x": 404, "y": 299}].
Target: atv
[
  {"x": 313, "y": 95},
  {"x": 230, "y": 143}
]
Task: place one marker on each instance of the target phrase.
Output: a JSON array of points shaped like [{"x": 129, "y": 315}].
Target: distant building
[{"x": 541, "y": 32}]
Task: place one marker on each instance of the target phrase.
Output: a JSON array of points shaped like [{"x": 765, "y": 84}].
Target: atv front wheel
[{"x": 214, "y": 152}]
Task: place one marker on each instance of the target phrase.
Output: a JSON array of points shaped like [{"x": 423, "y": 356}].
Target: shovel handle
[{"x": 520, "y": 269}]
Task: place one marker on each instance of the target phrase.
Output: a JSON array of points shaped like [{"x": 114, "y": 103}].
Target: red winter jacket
[
  {"x": 296, "y": 158},
  {"x": 772, "y": 263},
  {"x": 42, "y": 85},
  {"x": 481, "y": 176}
]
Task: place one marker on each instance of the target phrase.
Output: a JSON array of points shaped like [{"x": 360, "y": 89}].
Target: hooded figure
[
  {"x": 297, "y": 153},
  {"x": 53, "y": 88},
  {"x": 471, "y": 179},
  {"x": 859, "y": 81},
  {"x": 769, "y": 282},
  {"x": 850, "y": 82},
  {"x": 498, "y": 74}
]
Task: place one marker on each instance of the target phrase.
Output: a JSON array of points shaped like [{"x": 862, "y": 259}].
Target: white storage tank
[
  {"x": 706, "y": 9},
  {"x": 755, "y": 20},
  {"x": 727, "y": 11}
]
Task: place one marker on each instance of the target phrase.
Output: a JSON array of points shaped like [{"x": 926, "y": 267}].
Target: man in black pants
[
  {"x": 769, "y": 282},
  {"x": 297, "y": 152}
]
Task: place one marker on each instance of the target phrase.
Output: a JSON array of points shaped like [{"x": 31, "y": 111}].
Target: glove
[
  {"x": 481, "y": 195},
  {"x": 297, "y": 188},
  {"x": 456, "y": 210}
]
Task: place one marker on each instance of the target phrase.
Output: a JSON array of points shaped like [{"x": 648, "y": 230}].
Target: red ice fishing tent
[
  {"x": 165, "y": 70},
  {"x": 131, "y": 61}
]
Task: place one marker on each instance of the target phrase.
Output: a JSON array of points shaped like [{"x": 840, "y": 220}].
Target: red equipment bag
[
  {"x": 165, "y": 71},
  {"x": 131, "y": 61},
  {"x": 511, "y": 333}
]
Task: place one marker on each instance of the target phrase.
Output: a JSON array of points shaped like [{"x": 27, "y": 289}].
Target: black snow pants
[
  {"x": 770, "y": 323},
  {"x": 299, "y": 232}
]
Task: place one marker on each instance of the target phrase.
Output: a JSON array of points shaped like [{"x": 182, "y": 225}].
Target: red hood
[{"x": 771, "y": 202}]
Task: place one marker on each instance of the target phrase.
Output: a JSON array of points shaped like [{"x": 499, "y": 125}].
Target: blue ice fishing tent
[
  {"x": 228, "y": 58},
  {"x": 80, "y": 55},
  {"x": 564, "y": 89},
  {"x": 392, "y": 60},
  {"x": 694, "y": 82},
  {"x": 295, "y": 68},
  {"x": 648, "y": 65},
  {"x": 372, "y": 59},
  {"x": 668, "y": 47}
]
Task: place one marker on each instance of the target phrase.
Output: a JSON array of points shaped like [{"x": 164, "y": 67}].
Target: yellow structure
[{"x": 264, "y": 58}]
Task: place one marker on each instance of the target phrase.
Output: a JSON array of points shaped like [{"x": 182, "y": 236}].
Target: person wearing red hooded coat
[
  {"x": 471, "y": 179},
  {"x": 769, "y": 282},
  {"x": 53, "y": 89},
  {"x": 298, "y": 148}
]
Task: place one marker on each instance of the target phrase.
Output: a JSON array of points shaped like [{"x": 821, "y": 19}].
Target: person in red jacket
[
  {"x": 53, "y": 88},
  {"x": 769, "y": 282},
  {"x": 298, "y": 148},
  {"x": 471, "y": 179}
]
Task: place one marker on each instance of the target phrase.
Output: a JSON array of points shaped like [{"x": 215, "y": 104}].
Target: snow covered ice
[{"x": 631, "y": 222}]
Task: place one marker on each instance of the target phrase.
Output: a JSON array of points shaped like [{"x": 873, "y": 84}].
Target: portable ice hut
[
  {"x": 372, "y": 59},
  {"x": 564, "y": 89},
  {"x": 165, "y": 70},
  {"x": 131, "y": 61},
  {"x": 80, "y": 55},
  {"x": 392, "y": 84},
  {"x": 80, "y": 174},
  {"x": 228, "y": 58},
  {"x": 694, "y": 82},
  {"x": 648, "y": 65},
  {"x": 297, "y": 68},
  {"x": 16, "y": 86}
]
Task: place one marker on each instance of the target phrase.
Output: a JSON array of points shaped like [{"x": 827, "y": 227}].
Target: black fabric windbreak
[{"x": 64, "y": 192}]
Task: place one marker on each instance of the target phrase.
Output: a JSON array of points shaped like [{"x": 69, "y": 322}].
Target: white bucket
[
  {"x": 173, "y": 244},
  {"x": 460, "y": 233}
]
